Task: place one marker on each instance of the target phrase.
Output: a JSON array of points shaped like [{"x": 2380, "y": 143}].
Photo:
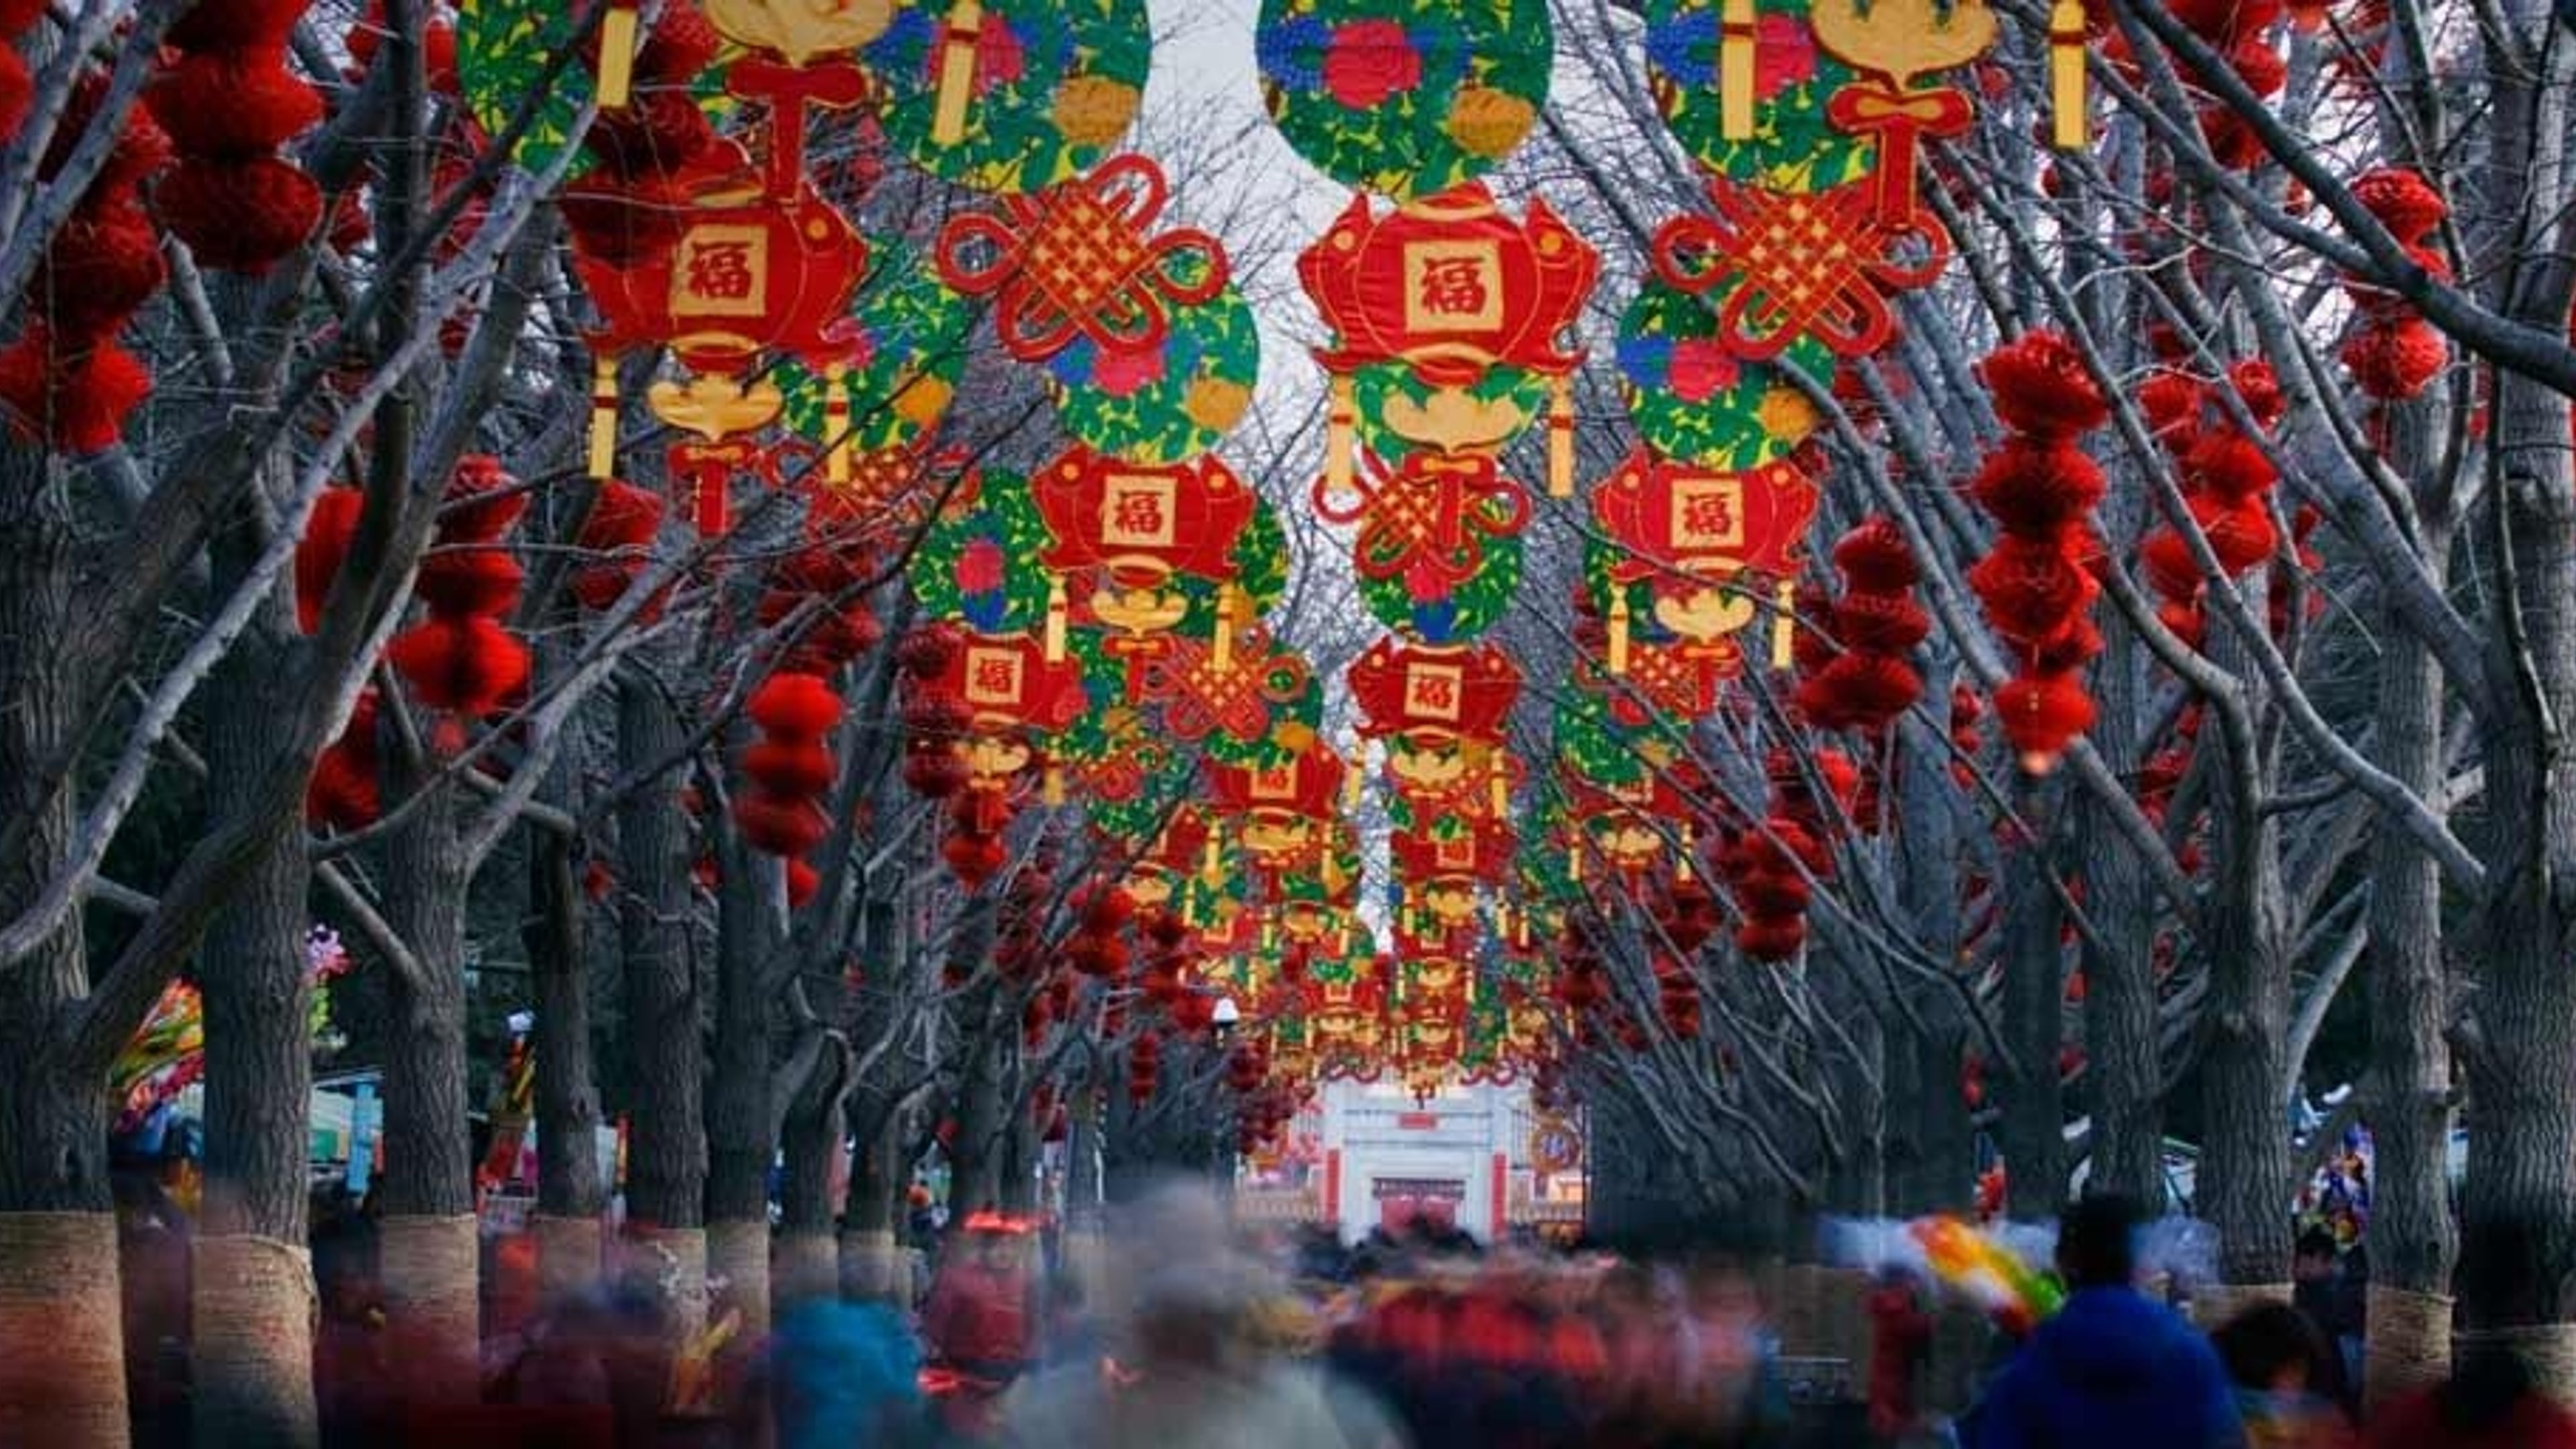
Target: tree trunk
[
  {"x": 666, "y": 1161},
  {"x": 1931, "y": 1143},
  {"x": 2033, "y": 1134},
  {"x": 810, "y": 1140},
  {"x": 2243, "y": 1185},
  {"x": 870, "y": 1263},
  {"x": 254, "y": 1292},
  {"x": 58, "y": 1261},
  {"x": 2123, "y": 1077},
  {"x": 750, "y": 931},
  {"x": 2521, "y": 1055},
  {"x": 430, "y": 1269},
  {"x": 2409, "y": 1090},
  {"x": 569, "y": 1188}
]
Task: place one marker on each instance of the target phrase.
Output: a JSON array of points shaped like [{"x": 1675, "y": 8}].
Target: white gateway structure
[{"x": 1370, "y": 1154}]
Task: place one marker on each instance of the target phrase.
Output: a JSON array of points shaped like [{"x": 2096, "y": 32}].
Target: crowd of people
[{"x": 1191, "y": 1333}]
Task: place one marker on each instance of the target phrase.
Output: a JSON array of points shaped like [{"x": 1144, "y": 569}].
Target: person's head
[
  {"x": 2314, "y": 1259},
  {"x": 2097, "y": 1240},
  {"x": 2271, "y": 1347}
]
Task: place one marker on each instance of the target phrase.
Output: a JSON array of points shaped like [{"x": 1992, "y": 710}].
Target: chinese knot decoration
[
  {"x": 1780, "y": 264},
  {"x": 1079, "y": 260}
]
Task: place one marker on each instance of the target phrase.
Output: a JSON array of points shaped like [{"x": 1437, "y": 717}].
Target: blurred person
[
  {"x": 1900, "y": 1344},
  {"x": 1735, "y": 1381},
  {"x": 1188, "y": 1367},
  {"x": 844, "y": 1375},
  {"x": 2328, "y": 1289},
  {"x": 2112, "y": 1368},
  {"x": 2280, "y": 1362},
  {"x": 1646, "y": 1358},
  {"x": 2492, "y": 1399}
]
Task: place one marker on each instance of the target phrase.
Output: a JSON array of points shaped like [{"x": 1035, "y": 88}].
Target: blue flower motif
[
  {"x": 904, "y": 44},
  {"x": 1645, "y": 360},
  {"x": 1684, "y": 48},
  {"x": 1072, "y": 366},
  {"x": 1291, "y": 52}
]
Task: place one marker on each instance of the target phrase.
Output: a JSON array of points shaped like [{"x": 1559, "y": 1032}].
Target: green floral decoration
[
  {"x": 914, "y": 331},
  {"x": 1057, "y": 82},
  {"x": 1462, "y": 612},
  {"x": 978, "y": 562},
  {"x": 1404, "y": 97},
  {"x": 1694, "y": 401},
  {"x": 1171, "y": 404},
  {"x": 1794, "y": 146}
]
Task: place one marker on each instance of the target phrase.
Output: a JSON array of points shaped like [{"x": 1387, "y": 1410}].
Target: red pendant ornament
[{"x": 1423, "y": 695}]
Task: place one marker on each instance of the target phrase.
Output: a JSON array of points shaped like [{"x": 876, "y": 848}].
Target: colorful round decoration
[
  {"x": 912, "y": 331},
  {"x": 1695, "y": 402},
  {"x": 1404, "y": 97},
  {"x": 1056, "y": 83},
  {"x": 503, "y": 48},
  {"x": 1461, "y": 614},
  {"x": 1794, "y": 147},
  {"x": 978, "y": 560},
  {"x": 1170, "y": 404}
]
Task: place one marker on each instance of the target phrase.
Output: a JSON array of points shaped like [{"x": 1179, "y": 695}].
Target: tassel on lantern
[
  {"x": 2066, "y": 74},
  {"x": 1057, "y": 614},
  {"x": 1574, "y": 857},
  {"x": 1618, "y": 631},
  {"x": 603, "y": 418},
  {"x": 1560, "y": 436},
  {"x": 1052, "y": 784},
  {"x": 1737, "y": 34},
  {"x": 1341, "y": 429},
  {"x": 836, "y": 425},
  {"x": 1212, "y": 864},
  {"x": 957, "y": 72},
  {"x": 617, "y": 35},
  {"x": 1502, "y": 787},
  {"x": 1784, "y": 625},
  {"x": 1221, "y": 652},
  {"x": 1682, "y": 865}
]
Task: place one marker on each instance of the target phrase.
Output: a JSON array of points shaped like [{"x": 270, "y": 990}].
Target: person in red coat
[
  {"x": 1900, "y": 1338},
  {"x": 982, "y": 1315}
]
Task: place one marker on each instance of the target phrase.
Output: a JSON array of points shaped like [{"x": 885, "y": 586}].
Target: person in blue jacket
[{"x": 2113, "y": 1368}]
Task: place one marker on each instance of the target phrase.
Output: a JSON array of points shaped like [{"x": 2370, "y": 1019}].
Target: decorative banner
[
  {"x": 1078, "y": 262},
  {"x": 1167, "y": 403},
  {"x": 1695, "y": 401},
  {"x": 503, "y": 50},
  {"x": 1007, "y": 684},
  {"x": 1404, "y": 97},
  {"x": 1260, "y": 707},
  {"x": 1011, "y": 95}
]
